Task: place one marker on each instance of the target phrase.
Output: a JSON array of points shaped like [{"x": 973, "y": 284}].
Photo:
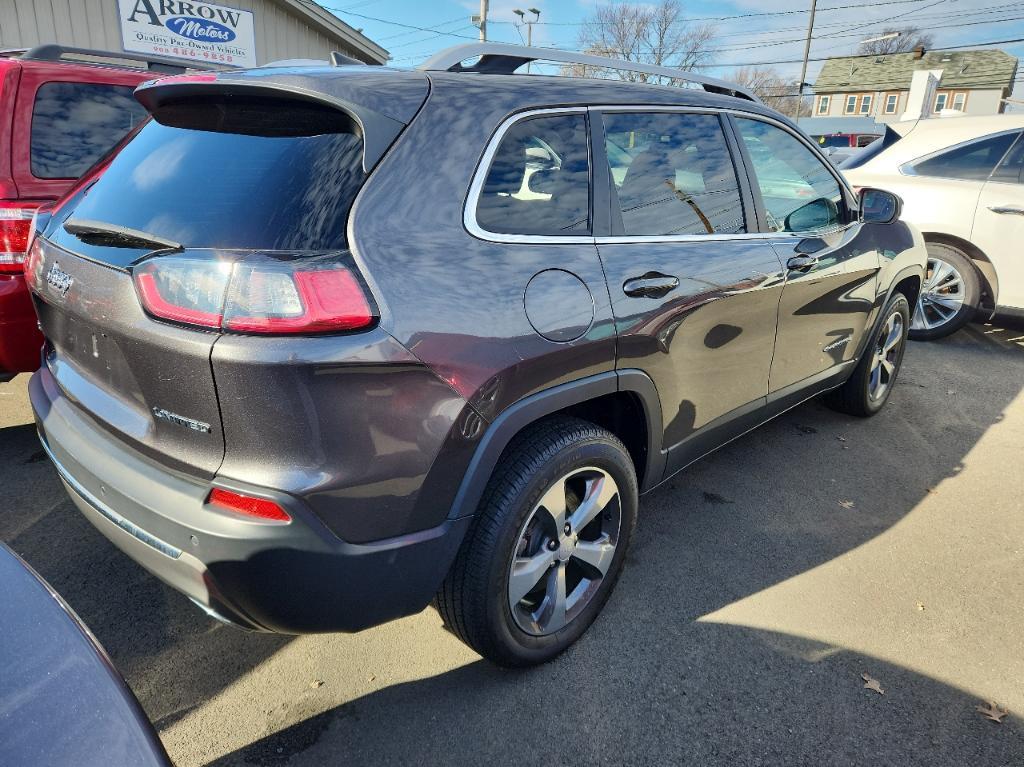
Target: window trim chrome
[{"x": 483, "y": 166}]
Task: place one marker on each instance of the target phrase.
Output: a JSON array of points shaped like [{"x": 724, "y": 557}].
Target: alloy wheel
[
  {"x": 887, "y": 356},
  {"x": 942, "y": 296},
  {"x": 564, "y": 550}
]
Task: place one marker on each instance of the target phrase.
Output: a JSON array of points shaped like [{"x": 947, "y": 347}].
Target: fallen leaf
[
  {"x": 847, "y": 504},
  {"x": 872, "y": 684},
  {"x": 991, "y": 712},
  {"x": 316, "y": 683}
]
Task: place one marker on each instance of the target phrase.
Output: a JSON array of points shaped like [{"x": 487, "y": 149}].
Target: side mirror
[
  {"x": 813, "y": 217},
  {"x": 878, "y": 206}
]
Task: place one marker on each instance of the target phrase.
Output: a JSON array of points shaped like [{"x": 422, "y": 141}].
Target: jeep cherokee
[{"x": 324, "y": 344}]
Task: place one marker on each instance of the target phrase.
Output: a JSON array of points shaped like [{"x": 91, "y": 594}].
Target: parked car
[
  {"x": 344, "y": 366},
  {"x": 961, "y": 183},
  {"x": 62, "y": 701},
  {"x": 58, "y": 115}
]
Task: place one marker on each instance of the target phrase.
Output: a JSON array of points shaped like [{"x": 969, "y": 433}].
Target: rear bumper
[
  {"x": 288, "y": 578},
  {"x": 20, "y": 339}
]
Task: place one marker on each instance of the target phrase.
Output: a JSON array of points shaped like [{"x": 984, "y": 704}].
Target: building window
[
  {"x": 865, "y": 104},
  {"x": 892, "y": 101},
  {"x": 851, "y": 105},
  {"x": 959, "y": 101},
  {"x": 940, "y": 101},
  {"x": 824, "y": 102}
]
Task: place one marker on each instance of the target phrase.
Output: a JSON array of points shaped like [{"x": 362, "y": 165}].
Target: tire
[
  {"x": 947, "y": 304},
  {"x": 863, "y": 394},
  {"x": 511, "y": 539}
]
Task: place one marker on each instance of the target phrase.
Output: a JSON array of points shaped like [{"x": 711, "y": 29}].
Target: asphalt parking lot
[{"x": 762, "y": 584}]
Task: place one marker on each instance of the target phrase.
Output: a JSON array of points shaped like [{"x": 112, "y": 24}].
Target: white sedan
[{"x": 962, "y": 185}]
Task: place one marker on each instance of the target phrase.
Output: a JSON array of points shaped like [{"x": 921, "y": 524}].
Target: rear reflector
[
  {"x": 260, "y": 508},
  {"x": 15, "y": 234},
  {"x": 256, "y": 294}
]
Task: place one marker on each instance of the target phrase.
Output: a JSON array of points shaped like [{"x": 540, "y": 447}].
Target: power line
[{"x": 735, "y": 16}]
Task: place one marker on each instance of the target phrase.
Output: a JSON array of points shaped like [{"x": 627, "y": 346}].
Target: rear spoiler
[{"x": 377, "y": 131}]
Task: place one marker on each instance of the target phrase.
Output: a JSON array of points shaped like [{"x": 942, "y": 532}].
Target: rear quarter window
[{"x": 75, "y": 124}]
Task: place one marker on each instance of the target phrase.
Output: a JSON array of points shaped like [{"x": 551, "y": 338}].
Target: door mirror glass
[
  {"x": 813, "y": 217},
  {"x": 879, "y": 207}
]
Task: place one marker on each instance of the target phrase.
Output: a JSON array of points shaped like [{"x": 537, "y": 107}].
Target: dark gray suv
[{"x": 327, "y": 343}]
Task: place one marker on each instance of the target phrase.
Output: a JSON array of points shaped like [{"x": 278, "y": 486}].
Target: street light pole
[
  {"x": 807, "y": 54},
  {"x": 529, "y": 27}
]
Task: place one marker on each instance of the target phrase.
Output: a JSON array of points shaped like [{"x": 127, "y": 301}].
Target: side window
[
  {"x": 1012, "y": 165},
  {"x": 74, "y": 124},
  {"x": 800, "y": 194},
  {"x": 673, "y": 174},
  {"x": 539, "y": 179},
  {"x": 970, "y": 162}
]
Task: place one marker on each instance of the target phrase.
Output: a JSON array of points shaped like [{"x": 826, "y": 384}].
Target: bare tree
[
  {"x": 644, "y": 33},
  {"x": 772, "y": 88},
  {"x": 909, "y": 38}
]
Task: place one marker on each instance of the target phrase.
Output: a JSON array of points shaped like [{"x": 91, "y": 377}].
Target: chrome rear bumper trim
[{"x": 132, "y": 529}]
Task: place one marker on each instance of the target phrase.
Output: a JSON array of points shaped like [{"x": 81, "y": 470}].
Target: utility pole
[
  {"x": 807, "y": 54},
  {"x": 483, "y": 21}
]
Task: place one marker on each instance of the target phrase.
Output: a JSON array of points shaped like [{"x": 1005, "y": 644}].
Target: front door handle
[
  {"x": 650, "y": 285},
  {"x": 802, "y": 263},
  {"x": 1007, "y": 209}
]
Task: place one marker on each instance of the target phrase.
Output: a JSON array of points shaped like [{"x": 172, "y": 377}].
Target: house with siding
[{"x": 877, "y": 87}]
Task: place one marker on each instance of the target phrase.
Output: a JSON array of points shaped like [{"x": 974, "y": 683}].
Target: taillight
[
  {"x": 257, "y": 293},
  {"x": 248, "y": 505},
  {"x": 15, "y": 234}
]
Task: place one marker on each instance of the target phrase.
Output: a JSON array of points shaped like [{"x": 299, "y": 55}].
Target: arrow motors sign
[{"x": 202, "y": 33}]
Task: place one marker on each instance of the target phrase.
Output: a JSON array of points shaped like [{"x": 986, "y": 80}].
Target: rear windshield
[
  {"x": 833, "y": 141},
  {"x": 214, "y": 189}
]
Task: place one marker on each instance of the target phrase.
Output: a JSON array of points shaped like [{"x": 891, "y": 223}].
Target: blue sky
[{"x": 762, "y": 38}]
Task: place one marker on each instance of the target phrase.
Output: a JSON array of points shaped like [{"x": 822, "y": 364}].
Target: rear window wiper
[{"x": 115, "y": 236}]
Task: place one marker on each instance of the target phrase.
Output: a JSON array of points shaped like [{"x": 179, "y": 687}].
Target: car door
[
  {"x": 831, "y": 260},
  {"x": 999, "y": 225},
  {"x": 694, "y": 291}
]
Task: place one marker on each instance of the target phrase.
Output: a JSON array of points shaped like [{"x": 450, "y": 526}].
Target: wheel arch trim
[
  {"x": 915, "y": 271},
  {"x": 541, "y": 404}
]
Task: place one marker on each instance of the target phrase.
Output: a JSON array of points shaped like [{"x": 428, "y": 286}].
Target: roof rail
[
  {"x": 505, "y": 59},
  {"x": 54, "y": 52}
]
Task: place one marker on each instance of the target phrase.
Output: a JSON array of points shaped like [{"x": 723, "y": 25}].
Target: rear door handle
[
  {"x": 1007, "y": 209},
  {"x": 650, "y": 285}
]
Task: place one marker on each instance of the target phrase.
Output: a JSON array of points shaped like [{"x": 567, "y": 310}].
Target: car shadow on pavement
[{"x": 654, "y": 680}]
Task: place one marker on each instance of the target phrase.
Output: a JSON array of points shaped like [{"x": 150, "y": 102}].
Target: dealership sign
[{"x": 185, "y": 29}]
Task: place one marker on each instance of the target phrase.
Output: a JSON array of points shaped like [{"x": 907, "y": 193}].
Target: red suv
[{"x": 59, "y": 113}]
